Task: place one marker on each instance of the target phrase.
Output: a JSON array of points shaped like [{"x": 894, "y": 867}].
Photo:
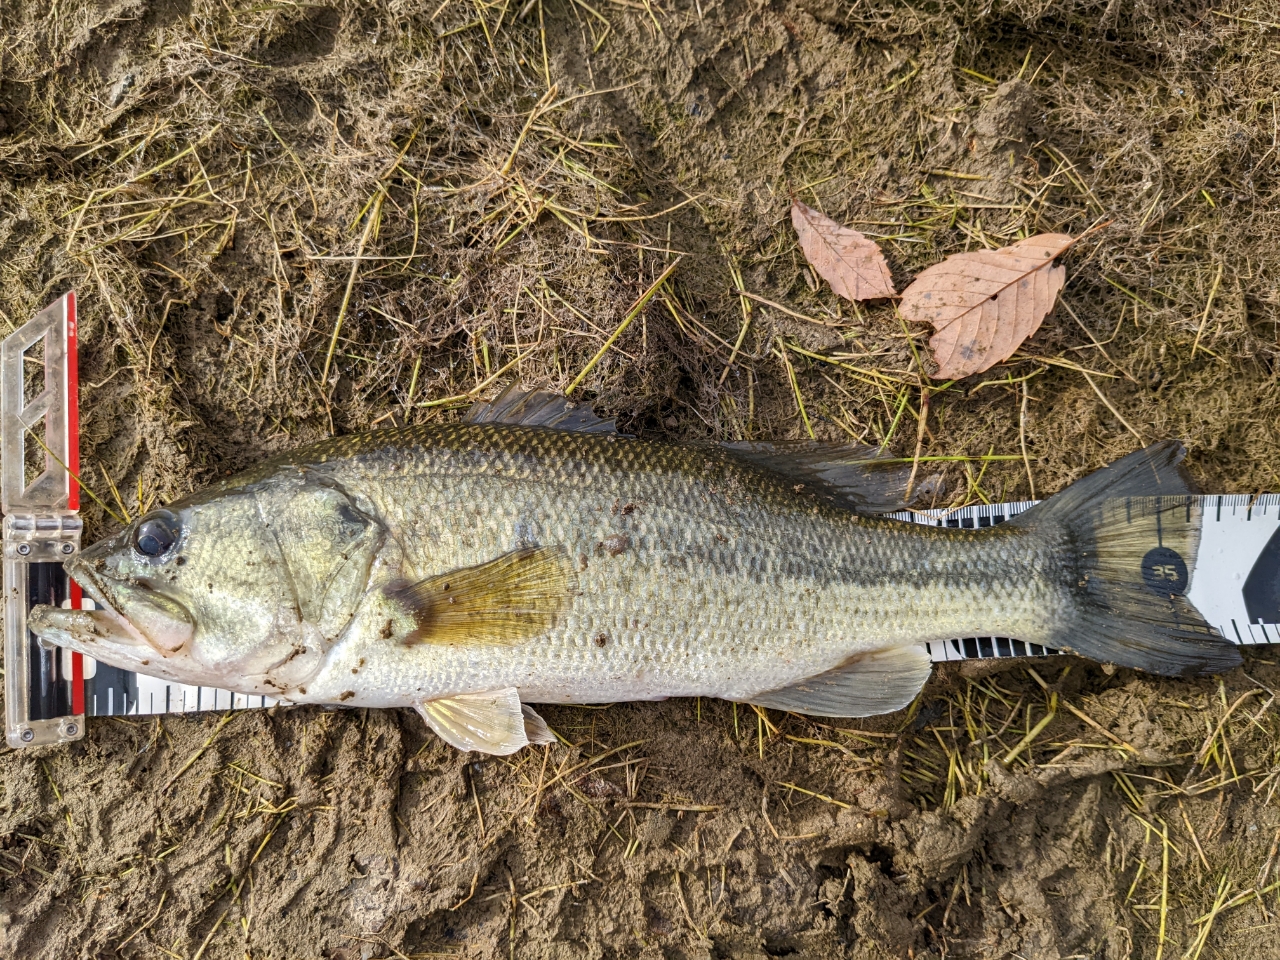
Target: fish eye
[{"x": 156, "y": 534}]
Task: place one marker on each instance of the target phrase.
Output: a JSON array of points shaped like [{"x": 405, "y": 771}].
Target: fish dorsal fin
[
  {"x": 538, "y": 408},
  {"x": 852, "y": 475},
  {"x": 865, "y": 685},
  {"x": 514, "y": 598},
  {"x": 489, "y": 722}
]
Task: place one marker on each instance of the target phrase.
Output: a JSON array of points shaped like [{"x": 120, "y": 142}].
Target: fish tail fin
[{"x": 1126, "y": 537}]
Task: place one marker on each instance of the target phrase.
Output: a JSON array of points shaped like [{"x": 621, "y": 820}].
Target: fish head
[{"x": 246, "y": 590}]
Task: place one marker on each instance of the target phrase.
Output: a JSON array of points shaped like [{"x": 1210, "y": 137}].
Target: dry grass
[{"x": 290, "y": 220}]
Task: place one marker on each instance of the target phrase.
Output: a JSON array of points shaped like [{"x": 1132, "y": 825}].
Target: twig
[
  {"x": 1034, "y": 731},
  {"x": 795, "y": 384},
  {"x": 196, "y": 756},
  {"x": 145, "y": 926},
  {"x": 746, "y": 320},
  {"x": 1114, "y": 411},
  {"x": 1022, "y": 439},
  {"x": 788, "y": 311},
  {"x": 1213, "y": 292},
  {"x": 626, "y": 322},
  {"x": 370, "y": 220},
  {"x": 920, "y": 430}
]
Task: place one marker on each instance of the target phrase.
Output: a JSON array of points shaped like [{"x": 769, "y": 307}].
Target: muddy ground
[{"x": 287, "y": 220}]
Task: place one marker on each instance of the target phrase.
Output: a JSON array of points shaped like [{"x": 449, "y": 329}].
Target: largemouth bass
[{"x": 534, "y": 555}]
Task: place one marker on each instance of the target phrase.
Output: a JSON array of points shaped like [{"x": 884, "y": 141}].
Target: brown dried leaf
[
  {"x": 983, "y": 304},
  {"x": 852, "y": 264}
]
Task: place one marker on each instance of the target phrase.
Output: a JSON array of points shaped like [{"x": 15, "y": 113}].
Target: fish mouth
[
  {"x": 110, "y": 637},
  {"x": 102, "y": 634}
]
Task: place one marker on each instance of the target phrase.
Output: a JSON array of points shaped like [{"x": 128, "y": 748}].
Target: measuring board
[{"x": 49, "y": 692}]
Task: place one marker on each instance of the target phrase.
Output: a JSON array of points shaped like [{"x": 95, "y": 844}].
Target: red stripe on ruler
[
  {"x": 73, "y": 465},
  {"x": 77, "y": 660}
]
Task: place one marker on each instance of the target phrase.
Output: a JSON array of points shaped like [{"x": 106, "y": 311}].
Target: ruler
[{"x": 49, "y": 692}]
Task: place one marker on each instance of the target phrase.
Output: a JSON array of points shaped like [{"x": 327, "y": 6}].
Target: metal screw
[
  {"x": 68, "y": 547},
  {"x": 72, "y": 729},
  {"x": 28, "y": 736},
  {"x": 23, "y": 549}
]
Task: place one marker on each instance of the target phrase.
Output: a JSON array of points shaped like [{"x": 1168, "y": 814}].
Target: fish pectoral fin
[
  {"x": 538, "y": 408},
  {"x": 490, "y": 722},
  {"x": 865, "y": 685},
  {"x": 514, "y": 598}
]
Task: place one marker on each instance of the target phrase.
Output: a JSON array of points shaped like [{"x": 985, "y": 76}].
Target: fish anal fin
[
  {"x": 516, "y": 597},
  {"x": 853, "y": 475},
  {"x": 865, "y": 685},
  {"x": 490, "y": 722},
  {"x": 538, "y": 408}
]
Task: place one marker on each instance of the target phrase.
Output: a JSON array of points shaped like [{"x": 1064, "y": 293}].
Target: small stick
[
  {"x": 471, "y": 782},
  {"x": 795, "y": 385},
  {"x": 1034, "y": 731},
  {"x": 676, "y": 807},
  {"x": 537, "y": 794},
  {"x": 789, "y": 312},
  {"x": 1213, "y": 292},
  {"x": 920, "y": 428},
  {"x": 1108, "y": 405},
  {"x": 306, "y": 181},
  {"x": 626, "y": 322},
  {"x": 370, "y": 220},
  {"x": 1022, "y": 439},
  {"x": 817, "y": 796},
  {"x": 685, "y": 908},
  {"x": 196, "y": 756},
  {"x": 1191, "y": 830},
  {"x": 1099, "y": 727},
  {"x": 1164, "y": 887},
  {"x": 474, "y": 881},
  {"x": 746, "y": 322},
  {"x": 217, "y": 923},
  {"x": 1271, "y": 856},
  {"x": 542, "y": 33},
  {"x": 145, "y": 926},
  {"x": 589, "y": 762},
  {"x": 533, "y": 115},
  {"x": 1204, "y": 750}
]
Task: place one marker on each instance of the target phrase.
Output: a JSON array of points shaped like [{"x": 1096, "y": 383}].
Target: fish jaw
[
  {"x": 107, "y": 636},
  {"x": 103, "y": 635}
]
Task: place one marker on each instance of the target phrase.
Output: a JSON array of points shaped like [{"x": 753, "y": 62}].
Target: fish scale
[{"x": 783, "y": 586}]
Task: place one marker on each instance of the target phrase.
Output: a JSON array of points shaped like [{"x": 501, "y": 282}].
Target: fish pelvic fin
[
  {"x": 493, "y": 722},
  {"x": 517, "y": 597},
  {"x": 865, "y": 685},
  {"x": 1125, "y": 540}
]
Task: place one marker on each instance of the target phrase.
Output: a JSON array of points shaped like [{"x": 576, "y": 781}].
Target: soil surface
[{"x": 290, "y": 220}]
